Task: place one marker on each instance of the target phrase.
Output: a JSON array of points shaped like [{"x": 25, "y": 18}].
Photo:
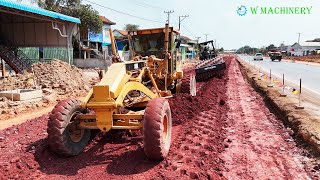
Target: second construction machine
[
  {"x": 131, "y": 95},
  {"x": 210, "y": 63}
]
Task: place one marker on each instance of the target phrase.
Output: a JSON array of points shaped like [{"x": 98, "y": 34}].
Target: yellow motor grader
[{"x": 131, "y": 95}]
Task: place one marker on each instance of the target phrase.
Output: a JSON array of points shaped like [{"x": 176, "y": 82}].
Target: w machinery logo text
[{"x": 264, "y": 10}]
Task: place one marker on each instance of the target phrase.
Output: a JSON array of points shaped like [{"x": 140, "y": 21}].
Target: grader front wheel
[
  {"x": 157, "y": 125},
  {"x": 64, "y": 135}
]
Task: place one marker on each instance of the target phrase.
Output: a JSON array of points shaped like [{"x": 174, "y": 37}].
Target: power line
[
  {"x": 146, "y": 4},
  {"x": 188, "y": 30},
  {"x": 180, "y": 20},
  {"x": 185, "y": 27},
  {"x": 168, "y": 15},
  {"x": 142, "y": 18}
]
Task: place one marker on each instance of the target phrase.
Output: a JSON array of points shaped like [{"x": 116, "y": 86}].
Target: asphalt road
[{"x": 310, "y": 74}]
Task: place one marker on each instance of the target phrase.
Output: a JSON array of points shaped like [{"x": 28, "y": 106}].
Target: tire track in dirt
[
  {"x": 195, "y": 151},
  {"x": 195, "y": 155},
  {"x": 259, "y": 147}
]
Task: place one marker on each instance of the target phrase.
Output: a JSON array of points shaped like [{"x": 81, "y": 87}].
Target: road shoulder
[{"x": 305, "y": 123}]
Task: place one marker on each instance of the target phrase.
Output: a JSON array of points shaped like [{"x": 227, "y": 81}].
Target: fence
[{"x": 49, "y": 53}]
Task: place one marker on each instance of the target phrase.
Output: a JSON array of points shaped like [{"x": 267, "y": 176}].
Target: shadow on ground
[{"x": 119, "y": 155}]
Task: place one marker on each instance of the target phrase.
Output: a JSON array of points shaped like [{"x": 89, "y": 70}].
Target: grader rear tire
[
  {"x": 157, "y": 125},
  {"x": 64, "y": 136}
]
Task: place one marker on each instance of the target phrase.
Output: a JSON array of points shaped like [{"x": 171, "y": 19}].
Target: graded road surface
[
  {"x": 259, "y": 147},
  {"x": 225, "y": 132}
]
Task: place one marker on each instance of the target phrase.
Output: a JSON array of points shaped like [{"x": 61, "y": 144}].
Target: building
[
  {"x": 96, "y": 45},
  {"x": 121, "y": 37},
  {"x": 304, "y": 48},
  {"x": 191, "y": 52},
  {"x": 184, "y": 47},
  {"x": 29, "y": 34}
]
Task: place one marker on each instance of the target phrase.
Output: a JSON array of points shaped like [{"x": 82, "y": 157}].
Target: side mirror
[{"x": 178, "y": 41}]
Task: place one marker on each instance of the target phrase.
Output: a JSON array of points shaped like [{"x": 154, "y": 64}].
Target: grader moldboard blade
[{"x": 209, "y": 68}]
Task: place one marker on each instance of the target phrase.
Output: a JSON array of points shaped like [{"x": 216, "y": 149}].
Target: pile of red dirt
[
  {"x": 55, "y": 74},
  {"x": 60, "y": 76},
  {"x": 20, "y": 81}
]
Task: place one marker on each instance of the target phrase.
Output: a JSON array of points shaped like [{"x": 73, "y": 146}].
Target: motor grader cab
[
  {"x": 207, "y": 50},
  {"x": 131, "y": 95}
]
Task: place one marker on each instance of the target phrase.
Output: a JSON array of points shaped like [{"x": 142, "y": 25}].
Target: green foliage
[
  {"x": 51, "y": 5},
  {"x": 89, "y": 17},
  {"x": 271, "y": 47},
  {"x": 251, "y": 50},
  {"x": 130, "y": 27},
  {"x": 247, "y": 50}
]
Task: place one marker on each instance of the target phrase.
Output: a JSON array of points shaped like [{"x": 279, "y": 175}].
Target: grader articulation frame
[{"x": 131, "y": 95}]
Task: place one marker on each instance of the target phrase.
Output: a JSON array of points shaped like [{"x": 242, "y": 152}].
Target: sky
[{"x": 219, "y": 19}]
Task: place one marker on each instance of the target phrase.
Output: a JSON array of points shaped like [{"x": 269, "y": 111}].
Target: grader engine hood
[{"x": 107, "y": 97}]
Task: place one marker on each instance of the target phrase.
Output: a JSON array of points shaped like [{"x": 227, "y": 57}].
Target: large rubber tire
[
  {"x": 64, "y": 136},
  {"x": 157, "y": 125}
]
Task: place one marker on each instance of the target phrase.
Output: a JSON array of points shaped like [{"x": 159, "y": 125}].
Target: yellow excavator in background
[{"x": 131, "y": 95}]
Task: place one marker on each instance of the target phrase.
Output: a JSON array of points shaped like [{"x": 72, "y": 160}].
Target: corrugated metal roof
[
  {"x": 122, "y": 32},
  {"x": 16, "y": 5},
  {"x": 106, "y": 20},
  {"x": 306, "y": 44}
]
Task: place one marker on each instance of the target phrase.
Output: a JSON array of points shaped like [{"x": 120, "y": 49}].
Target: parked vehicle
[{"x": 258, "y": 56}]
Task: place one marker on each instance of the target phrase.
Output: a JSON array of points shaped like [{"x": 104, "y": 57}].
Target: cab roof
[{"x": 151, "y": 31}]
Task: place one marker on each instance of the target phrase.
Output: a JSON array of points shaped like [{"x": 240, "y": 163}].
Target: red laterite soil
[{"x": 224, "y": 132}]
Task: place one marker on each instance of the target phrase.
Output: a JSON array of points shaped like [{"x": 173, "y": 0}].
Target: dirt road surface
[
  {"x": 259, "y": 145},
  {"x": 225, "y": 132}
]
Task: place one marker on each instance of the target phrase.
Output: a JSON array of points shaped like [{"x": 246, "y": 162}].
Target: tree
[
  {"x": 247, "y": 50},
  {"x": 131, "y": 27},
  {"x": 89, "y": 16},
  {"x": 271, "y": 47},
  {"x": 51, "y": 5}
]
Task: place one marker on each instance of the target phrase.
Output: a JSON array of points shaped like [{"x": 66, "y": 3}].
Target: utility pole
[
  {"x": 206, "y": 37},
  {"x": 299, "y": 38},
  {"x": 198, "y": 39},
  {"x": 168, "y": 15},
  {"x": 181, "y": 18}
]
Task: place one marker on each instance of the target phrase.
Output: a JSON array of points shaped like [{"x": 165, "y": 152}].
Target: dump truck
[
  {"x": 275, "y": 56},
  {"x": 131, "y": 95},
  {"x": 210, "y": 63}
]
